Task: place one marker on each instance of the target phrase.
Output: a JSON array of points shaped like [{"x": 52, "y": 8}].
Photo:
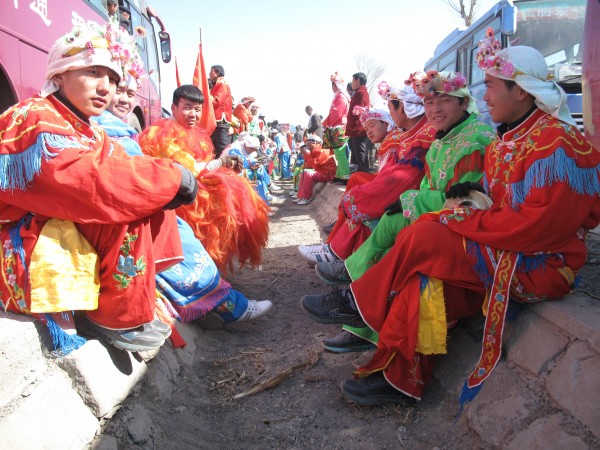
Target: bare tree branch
[
  {"x": 459, "y": 7},
  {"x": 372, "y": 69}
]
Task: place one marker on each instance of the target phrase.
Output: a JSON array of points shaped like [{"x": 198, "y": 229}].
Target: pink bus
[{"x": 29, "y": 28}]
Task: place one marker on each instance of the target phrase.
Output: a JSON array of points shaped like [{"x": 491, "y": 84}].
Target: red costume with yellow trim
[
  {"x": 537, "y": 174},
  {"x": 63, "y": 178},
  {"x": 229, "y": 217},
  {"x": 367, "y": 195}
]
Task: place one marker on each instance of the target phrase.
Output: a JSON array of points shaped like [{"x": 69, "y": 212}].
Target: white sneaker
[
  {"x": 304, "y": 201},
  {"x": 274, "y": 187},
  {"x": 254, "y": 310},
  {"x": 293, "y": 192},
  {"x": 316, "y": 253}
]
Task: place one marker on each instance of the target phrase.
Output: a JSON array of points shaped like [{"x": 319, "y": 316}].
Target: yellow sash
[{"x": 64, "y": 271}]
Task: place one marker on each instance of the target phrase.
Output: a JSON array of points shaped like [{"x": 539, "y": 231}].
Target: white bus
[{"x": 554, "y": 27}]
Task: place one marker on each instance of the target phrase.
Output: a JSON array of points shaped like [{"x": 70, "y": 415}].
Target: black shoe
[
  {"x": 339, "y": 181},
  {"x": 328, "y": 228},
  {"x": 331, "y": 308},
  {"x": 139, "y": 339},
  {"x": 373, "y": 390},
  {"x": 333, "y": 272},
  {"x": 347, "y": 342}
]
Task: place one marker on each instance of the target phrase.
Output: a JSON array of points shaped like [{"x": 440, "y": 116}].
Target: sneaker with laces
[
  {"x": 347, "y": 342},
  {"x": 333, "y": 272},
  {"x": 255, "y": 310},
  {"x": 373, "y": 390},
  {"x": 331, "y": 308},
  {"x": 293, "y": 193},
  {"x": 295, "y": 199},
  {"x": 139, "y": 339},
  {"x": 304, "y": 201},
  {"x": 316, "y": 253},
  {"x": 274, "y": 187},
  {"x": 159, "y": 326}
]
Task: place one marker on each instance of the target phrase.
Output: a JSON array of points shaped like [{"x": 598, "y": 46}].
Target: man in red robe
[{"x": 63, "y": 179}]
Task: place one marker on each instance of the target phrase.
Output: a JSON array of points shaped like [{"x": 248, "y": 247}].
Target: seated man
[
  {"x": 84, "y": 225},
  {"x": 319, "y": 166},
  {"x": 455, "y": 156},
  {"x": 246, "y": 148},
  {"x": 402, "y": 159},
  {"x": 539, "y": 171},
  {"x": 194, "y": 288},
  {"x": 229, "y": 217}
]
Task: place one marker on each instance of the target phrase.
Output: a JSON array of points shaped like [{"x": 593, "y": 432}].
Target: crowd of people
[{"x": 132, "y": 231}]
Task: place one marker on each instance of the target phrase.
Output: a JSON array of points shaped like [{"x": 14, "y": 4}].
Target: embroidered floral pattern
[
  {"x": 127, "y": 266},
  {"x": 17, "y": 293}
]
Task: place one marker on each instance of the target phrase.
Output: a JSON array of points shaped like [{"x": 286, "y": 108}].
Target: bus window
[
  {"x": 555, "y": 28},
  {"x": 477, "y": 75},
  {"x": 448, "y": 62},
  {"x": 462, "y": 65},
  {"x": 153, "y": 67}
]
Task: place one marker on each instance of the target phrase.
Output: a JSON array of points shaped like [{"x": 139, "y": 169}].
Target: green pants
[{"x": 377, "y": 245}]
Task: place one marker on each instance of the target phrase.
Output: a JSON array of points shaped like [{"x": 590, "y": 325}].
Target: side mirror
[
  {"x": 509, "y": 20},
  {"x": 165, "y": 46}
]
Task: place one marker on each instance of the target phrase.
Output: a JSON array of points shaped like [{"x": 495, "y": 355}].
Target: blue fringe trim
[
  {"x": 576, "y": 281},
  {"x": 556, "y": 167},
  {"x": 467, "y": 395},
  {"x": 61, "y": 341},
  {"x": 17, "y": 242},
  {"x": 480, "y": 266},
  {"x": 423, "y": 280},
  {"x": 17, "y": 170},
  {"x": 534, "y": 262}
]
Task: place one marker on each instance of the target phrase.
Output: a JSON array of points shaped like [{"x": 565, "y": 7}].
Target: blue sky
[{"x": 282, "y": 53}]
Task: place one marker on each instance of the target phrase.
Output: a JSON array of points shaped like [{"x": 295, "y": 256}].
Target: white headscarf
[
  {"x": 367, "y": 114},
  {"x": 411, "y": 102},
  {"x": 531, "y": 74}
]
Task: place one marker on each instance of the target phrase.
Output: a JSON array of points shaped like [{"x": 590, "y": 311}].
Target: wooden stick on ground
[{"x": 275, "y": 380}]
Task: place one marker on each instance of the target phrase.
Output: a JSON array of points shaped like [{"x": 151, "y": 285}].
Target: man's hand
[
  {"x": 188, "y": 189},
  {"x": 462, "y": 189},
  {"x": 394, "y": 208},
  {"x": 232, "y": 162}
]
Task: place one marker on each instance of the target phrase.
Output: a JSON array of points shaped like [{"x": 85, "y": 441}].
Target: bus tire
[{"x": 134, "y": 122}]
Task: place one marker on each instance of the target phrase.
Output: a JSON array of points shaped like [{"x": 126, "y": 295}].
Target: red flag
[
  {"x": 207, "y": 121},
  {"x": 177, "y": 73}
]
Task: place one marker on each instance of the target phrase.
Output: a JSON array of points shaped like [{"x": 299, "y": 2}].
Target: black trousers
[
  {"x": 220, "y": 137},
  {"x": 359, "y": 152}
]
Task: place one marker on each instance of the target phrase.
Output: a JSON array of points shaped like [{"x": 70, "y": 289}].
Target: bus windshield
[{"x": 555, "y": 28}]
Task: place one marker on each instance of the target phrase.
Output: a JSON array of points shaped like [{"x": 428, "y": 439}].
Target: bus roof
[{"x": 456, "y": 35}]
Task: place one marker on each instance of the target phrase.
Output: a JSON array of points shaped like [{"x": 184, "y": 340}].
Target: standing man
[
  {"x": 315, "y": 125},
  {"x": 356, "y": 133},
  {"x": 222, "y": 103}
]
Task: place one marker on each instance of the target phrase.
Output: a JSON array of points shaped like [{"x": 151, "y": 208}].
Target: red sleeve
[
  {"x": 218, "y": 94},
  {"x": 537, "y": 225},
  {"x": 84, "y": 187},
  {"x": 337, "y": 112}
]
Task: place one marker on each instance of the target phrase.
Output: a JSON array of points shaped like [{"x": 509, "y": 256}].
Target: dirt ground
[{"x": 304, "y": 410}]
